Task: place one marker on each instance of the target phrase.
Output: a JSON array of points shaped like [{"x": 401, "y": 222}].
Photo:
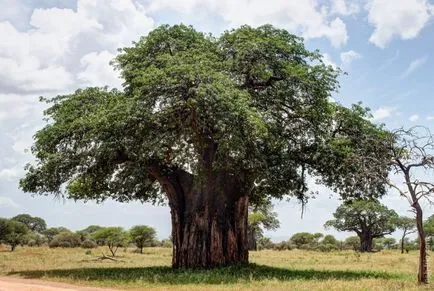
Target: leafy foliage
[
  {"x": 15, "y": 234},
  {"x": 364, "y": 215},
  {"x": 142, "y": 236},
  {"x": 65, "y": 239},
  {"x": 254, "y": 103},
  {"x": 35, "y": 224},
  {"x": 112, "y": 237}
]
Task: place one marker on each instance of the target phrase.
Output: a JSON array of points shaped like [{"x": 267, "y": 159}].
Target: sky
[{"x": 53, "y": 47}]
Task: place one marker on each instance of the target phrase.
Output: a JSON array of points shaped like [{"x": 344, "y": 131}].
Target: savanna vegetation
[{"x": 217, "y": 127}]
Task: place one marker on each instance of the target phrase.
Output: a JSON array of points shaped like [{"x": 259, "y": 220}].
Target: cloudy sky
[{"x": 56, "y": 46}]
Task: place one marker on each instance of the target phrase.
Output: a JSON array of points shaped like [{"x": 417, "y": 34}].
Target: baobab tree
[
  {"x": 367, "y": 218},
  {"x": 413, "y": 157},
  {"x": 208, "y": 124}
]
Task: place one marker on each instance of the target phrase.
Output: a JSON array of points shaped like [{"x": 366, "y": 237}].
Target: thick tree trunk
[
  {"x": 366, "y": 241},
  {"x": 422, "y": 276},
  {"x": 209, "y": 219}
]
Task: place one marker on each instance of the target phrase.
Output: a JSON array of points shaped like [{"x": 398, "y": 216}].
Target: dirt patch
[{"x": 18, "y": 284}]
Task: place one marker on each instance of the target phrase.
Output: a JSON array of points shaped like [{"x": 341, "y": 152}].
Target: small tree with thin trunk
[
  {"x": 408, "y": 226},
  {"x": 367, "y": 218},
  {"x": 413, "y": 157},
  {"x": 261, "y": 217},
  {"x": 142, "y": 236},
  {"x": 112, "y": 237},
  {"x": 15, "y": 234}
]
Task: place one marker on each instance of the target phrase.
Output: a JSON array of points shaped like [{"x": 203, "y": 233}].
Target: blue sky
[{"x": 55, "y": 46}]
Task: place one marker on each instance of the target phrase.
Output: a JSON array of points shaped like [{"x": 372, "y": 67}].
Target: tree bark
[
  {"x": 422, "y": 276},
  {"x": 366, "y": 241},
  {"x": 209, "y": 219},
  {"x": 402, "y": 242}
]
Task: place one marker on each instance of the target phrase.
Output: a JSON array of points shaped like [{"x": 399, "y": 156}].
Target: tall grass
[{"x": 285, "y": 270}]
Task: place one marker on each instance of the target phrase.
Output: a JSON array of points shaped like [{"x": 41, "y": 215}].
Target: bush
[
  {"x": 284, "y": 245},
  {"x": 65, "y": 240},
  {"x": 88, "y": 244},
  {"x": 326, "y": 247},
  {"x": 265, "y": 243},
  {"x": 166, "y": 243}
]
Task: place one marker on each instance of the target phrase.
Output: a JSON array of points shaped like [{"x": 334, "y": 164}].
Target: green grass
[{"x": 294, "y": 270}]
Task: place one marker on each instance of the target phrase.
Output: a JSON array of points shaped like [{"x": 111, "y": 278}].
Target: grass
[{"x": 279, "y": 270}]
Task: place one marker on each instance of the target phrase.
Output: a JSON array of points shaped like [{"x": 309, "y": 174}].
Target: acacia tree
[
  {"x": 34, "y": 223},
  {"x": 407, "y": 225},
  {"x": 208, "y": 124},
  {"x": 15, "y": 234},
  {"x": 112, "y": 237},
  {"x": 413, "y": 154},
  {"x": 367, "y": 218},
  {"x": 142, "y": 235},
  {"x": 261, "y": 217}
]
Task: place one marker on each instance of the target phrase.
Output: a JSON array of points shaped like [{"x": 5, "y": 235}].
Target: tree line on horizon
[{"x": 24, "y": 229}]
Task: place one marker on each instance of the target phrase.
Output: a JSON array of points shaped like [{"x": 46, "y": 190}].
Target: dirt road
[{"x": 18, "y": 284}]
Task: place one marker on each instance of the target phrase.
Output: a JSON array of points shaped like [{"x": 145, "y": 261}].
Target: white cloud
[
  {"x": 97, "y": 70},
  {"x": 6, "y": 202},
  {"x": 399, "y": 18},
  {"x": 430, "y": 118},
  {"x": 344, "y": 7},
  {"x": 9, "y": 174},
  {"x": 45, "y": 57},
  {"x": 382, "y": 113},
  {"x": 414, "y": 118},
  {"x": 348, "y": 57},
  {"x": 326, "y": 58},
  {"x": 308, "y": 18},
  {"x": 413, "y": 66}
]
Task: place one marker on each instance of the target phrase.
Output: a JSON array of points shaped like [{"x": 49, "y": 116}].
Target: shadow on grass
[{"x": 227, "y": 275}]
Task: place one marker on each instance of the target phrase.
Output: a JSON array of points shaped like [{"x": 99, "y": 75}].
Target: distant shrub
[
  {"x": 166, "y": 243},
  {"x": 88, "y": 244},
  {"x": 326, "y": 247},
  {"x": 265, "y": 243},
  {"x": 65, "y": 240},
  {"x": 88, "y": 252},
  {"x": 284, "y": 245}
]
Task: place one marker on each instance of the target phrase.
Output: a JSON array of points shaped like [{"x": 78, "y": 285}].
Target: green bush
[
  {"x": 88, "y": 244},
  {"x": 65, "y": 240}
]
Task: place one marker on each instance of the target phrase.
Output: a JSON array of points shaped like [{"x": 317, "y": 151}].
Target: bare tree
[{"x": 413, "y": 154}]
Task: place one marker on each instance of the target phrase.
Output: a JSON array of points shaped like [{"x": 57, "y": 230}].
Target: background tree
[
  {"x": 112, "y": 237},
  {"x": 51, "y": 232},
  {"x": 413, "y": 154},
  {"x": 3, "y": 228},
  {"x": 65, "y": 239},
  {"x": 329, "y": 243},
  {"x": 407, "y": 225},
  {"x": 142, "y": 236},
  {"x": 261, "y": 217},
  {"x": 36, "y": 239},
  {"x": 306, "y": 240},
  {"x": 211, "y": 123},
  {"x": 367, "y": 218},
  {"x": 16, "y": 234},
  {"x": 352, "y": 243},
  {"x": 34, "y": 223},
  {"x": 384, "y": 243}
]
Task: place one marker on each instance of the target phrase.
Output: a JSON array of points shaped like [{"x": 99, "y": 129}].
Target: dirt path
[{"x": 18, "y": 284}]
